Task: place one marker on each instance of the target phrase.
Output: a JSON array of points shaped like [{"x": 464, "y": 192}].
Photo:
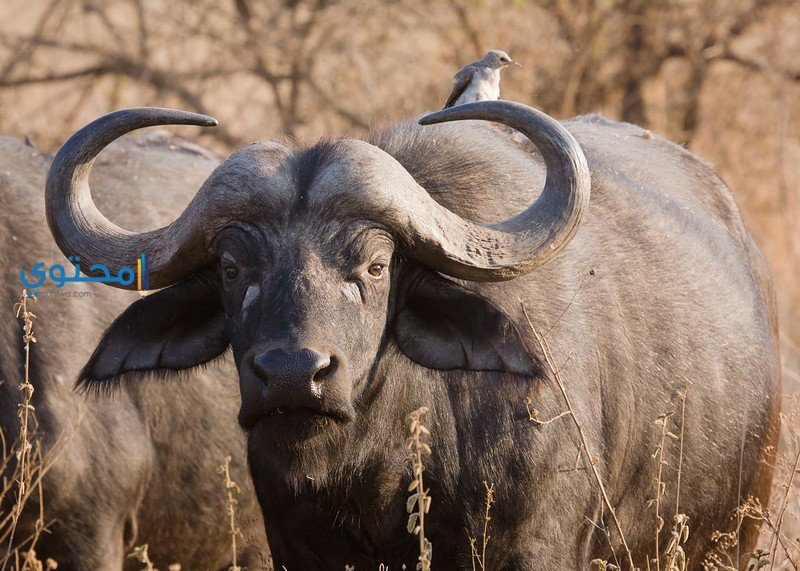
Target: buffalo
[
  {"x": 141, "y": 466},
  {"x": 356, "y": 281}
]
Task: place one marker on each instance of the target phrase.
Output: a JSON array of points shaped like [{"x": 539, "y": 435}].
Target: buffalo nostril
[
  {"x": 323, "y": 373},
  {"x": 326, "y": 370}
]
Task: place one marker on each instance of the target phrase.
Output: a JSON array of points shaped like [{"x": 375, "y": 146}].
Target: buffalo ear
[
  {"x": 441, "y": 325},
  {"x": 177, "y": 328}
]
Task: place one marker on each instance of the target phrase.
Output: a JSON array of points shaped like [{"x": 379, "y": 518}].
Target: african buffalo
[
  {"x": 357, "y": 281},
  {"x": 140, "y": 467}
]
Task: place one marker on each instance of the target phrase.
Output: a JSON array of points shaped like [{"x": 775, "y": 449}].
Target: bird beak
[{"x": 516, "y": 63}]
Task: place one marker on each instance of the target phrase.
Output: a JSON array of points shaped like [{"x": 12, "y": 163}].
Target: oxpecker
[{"x": 479, "y": 80}]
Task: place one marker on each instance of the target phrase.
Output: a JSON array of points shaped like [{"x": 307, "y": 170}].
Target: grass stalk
[
  {"x": 660, "y": 487},
  {"x": 231, "y": 489},
  {"x": 782, "y": 511},
  {"x": 545, "y": 348},
  {"x": 420, "y": 497},
  {"x": 24, "y": 413}
]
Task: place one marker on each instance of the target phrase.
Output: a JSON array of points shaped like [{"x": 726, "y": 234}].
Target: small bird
[{"x": 479, "y": 80}]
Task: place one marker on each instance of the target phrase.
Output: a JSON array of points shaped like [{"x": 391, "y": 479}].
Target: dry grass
[
  {"x": 479, "y": 557},
  {"x": 419, "y": 497},
  {"x": 544, "y": 348},
  {"x": 674, "y": 555},
  {"x": 140, "y": 553},
  {"x": 24, "y": 447},
  {"x": 142, "y": 556},
  {"x": 660, "y": 486},
  {"x": 779, "y": 543},
  {"x": 24, "y": 465},
  {"x": 232, "y": 490}
]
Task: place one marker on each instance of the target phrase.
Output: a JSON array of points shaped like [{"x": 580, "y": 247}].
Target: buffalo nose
[{"x": 293, "y": 369}]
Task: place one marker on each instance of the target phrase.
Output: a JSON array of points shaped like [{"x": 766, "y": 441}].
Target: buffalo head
[{"x": 308, "y": 263}]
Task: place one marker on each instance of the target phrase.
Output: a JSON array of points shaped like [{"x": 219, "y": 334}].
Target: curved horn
[
  {"x": 512, "y": 247},
  {"x": 174, "y": 251}
]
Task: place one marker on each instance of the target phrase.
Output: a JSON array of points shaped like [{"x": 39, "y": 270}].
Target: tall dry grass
[
  {"x": 232, "y": 490},
  {"x": 479, "y": 556},
  {"x": 420, "y": 496},
  {"x": 554, "y": 371},
  {"x": 24, "y": 465}
]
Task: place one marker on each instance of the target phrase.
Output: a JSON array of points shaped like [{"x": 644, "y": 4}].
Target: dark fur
[
  {"x": 679, "y": 301},
  {"x": 138, "y": 466}
]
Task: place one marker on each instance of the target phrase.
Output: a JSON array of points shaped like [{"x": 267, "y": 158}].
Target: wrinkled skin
[
  {"x": 139, "y": 466},
  {"x": 337, "y": 336}
]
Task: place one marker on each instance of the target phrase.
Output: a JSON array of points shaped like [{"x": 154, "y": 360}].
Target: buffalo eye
[
  {"x": 376, "y": 270},
  {"x": 231, "y": 273}
]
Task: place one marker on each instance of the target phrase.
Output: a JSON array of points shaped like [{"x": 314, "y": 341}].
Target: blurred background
[{"x": 721, "y": 77}]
